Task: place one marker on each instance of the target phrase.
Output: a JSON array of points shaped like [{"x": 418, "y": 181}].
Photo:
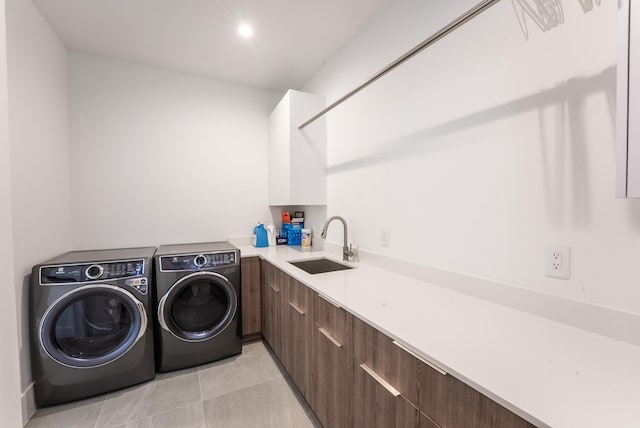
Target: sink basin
[{"x": 321, "y": 265}]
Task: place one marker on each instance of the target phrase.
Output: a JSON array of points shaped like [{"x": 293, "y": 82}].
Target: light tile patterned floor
[{"x": 248, "y": 390}]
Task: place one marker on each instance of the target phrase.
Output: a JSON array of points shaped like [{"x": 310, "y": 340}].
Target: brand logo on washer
[{"x": 60, "y": 269}]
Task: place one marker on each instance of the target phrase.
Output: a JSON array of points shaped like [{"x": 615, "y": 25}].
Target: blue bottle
[{"x": 260, "y": 238}]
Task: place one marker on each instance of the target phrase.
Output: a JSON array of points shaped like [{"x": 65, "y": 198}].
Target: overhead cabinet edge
[
  {"x": 297, "y": 157},
  {"x": 628, "y": 96}
]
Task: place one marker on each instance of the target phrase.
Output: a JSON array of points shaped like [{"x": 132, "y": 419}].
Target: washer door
[
  {"x": 198, "y": 306},
  {"x": 92, "y": 325}
]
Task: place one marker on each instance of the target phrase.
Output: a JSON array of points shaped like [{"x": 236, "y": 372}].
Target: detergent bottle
[{"x": 260, "y": 236}]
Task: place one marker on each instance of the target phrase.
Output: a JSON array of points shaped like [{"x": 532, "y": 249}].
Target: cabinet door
[
  {"x": 297, "y": 157},
  {"x": 393, "y": 364},
  {"x": 250, "y": 290},
  {"x": 298, "y": 336},
  {"x": 628, "y": 135},
  {"x": 271, "y": 307},
  {"x": 378, "y": 404},
  {"x": 333, "y": 395}
]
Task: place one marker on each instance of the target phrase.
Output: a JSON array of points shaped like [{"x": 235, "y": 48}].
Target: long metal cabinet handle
[
  {"x": 297, "y": 309},
  {"x": 326, "y": 299},
  {"x": 420, "y": 358},
  {"x": 386, "y": 385},
  {"x": 326, "y": 334}
]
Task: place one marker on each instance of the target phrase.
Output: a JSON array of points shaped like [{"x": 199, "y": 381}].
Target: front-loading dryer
[
  {"x": 198, "y": 304},
  {"x": 91, "y": 323}
]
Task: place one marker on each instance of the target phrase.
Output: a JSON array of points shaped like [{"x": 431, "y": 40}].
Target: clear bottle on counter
[{"x": 306, "y": 239}]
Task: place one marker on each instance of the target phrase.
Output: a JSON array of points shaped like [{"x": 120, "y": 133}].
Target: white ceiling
[{"x": 291, "y": 38}]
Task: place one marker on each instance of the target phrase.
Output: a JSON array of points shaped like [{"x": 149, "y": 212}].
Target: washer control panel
[
  {"x": 131, "y": 270},
  {"x": 186, "y": 262}
]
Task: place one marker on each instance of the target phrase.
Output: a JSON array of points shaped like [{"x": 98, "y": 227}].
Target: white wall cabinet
[
  {"x": 297, "y": 157},
  {"x": 628, "y": 146}
]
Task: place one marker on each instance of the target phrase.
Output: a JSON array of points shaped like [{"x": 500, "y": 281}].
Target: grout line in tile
[{"x": 95, "y": 424}]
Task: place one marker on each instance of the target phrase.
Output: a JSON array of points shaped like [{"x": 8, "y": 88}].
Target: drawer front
[
  {"x": 334, "y": 320},
  {"x": 333, "y": 397},
  {"x": 395, "y": 365},
  {"x": 378, "y": 405},
  {"x": 451, "y": 403}
]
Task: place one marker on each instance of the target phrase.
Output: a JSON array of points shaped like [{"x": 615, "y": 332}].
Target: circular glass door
[
  {"x": 92, "y": 325},
  {"x": 198, "y": 306}
]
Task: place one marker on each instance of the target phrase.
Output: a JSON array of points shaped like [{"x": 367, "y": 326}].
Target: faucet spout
[{"x": 346, "y": 249}]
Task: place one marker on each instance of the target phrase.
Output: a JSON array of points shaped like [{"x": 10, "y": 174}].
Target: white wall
[
  {"x": 10, "y": 408},
  {"x": 485, "y": 148},
  {"x": 160, "y": 157},
  {"x": 39, "y": 142}
]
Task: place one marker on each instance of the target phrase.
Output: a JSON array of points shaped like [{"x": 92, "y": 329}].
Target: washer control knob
[
  {"x": 94, "y": 271},
  {"x": 200, "y": 260}
]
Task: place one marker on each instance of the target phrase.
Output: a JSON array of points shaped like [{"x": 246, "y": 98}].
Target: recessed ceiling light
[{"x": 245, "y": 30}]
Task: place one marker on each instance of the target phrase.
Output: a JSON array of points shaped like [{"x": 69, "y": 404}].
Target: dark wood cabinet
[
  {"x": 298, "y": 335},
  {"x": 334, "y": 393},
  {"x": 271, "y": 307},
  {"x": 250, "y": 298},
  {"x": 353, "y": 375}
]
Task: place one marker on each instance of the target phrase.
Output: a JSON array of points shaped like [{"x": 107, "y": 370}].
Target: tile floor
[{"x": 248, "y": 390}]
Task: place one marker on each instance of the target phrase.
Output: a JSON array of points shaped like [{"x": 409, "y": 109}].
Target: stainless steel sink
[{"x": 320, "y": 265}]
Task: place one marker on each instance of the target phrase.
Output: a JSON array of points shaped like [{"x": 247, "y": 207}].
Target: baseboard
[
  {"x": 28, "y": 401},
  {"x": 613, "y": 323},
  {"x": 254, "y": 337}
]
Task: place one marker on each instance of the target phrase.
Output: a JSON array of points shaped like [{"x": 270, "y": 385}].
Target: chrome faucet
[{"x": 346, "y": 250}]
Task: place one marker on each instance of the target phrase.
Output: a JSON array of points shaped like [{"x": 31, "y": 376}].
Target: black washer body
[
  {"x": 198, "y": 313},
  {"x": 91, "y": 323}
]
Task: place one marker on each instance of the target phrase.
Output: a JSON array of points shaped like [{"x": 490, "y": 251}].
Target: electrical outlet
[
  {"x": 385, "y": 237},
  {"x": 557, "y": 261}
]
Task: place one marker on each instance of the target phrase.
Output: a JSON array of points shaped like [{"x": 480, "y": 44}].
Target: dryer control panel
[
  {"x": 131, "y": 270},
  {"x": 189, "y": 262}
]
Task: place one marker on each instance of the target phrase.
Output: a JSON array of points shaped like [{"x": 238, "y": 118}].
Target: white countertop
[{"x": 550, "y": 373}]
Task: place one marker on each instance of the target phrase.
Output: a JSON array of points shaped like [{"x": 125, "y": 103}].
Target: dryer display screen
[{"x": 187, "y": 262}]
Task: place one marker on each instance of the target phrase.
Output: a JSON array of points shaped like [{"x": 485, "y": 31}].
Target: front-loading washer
[
  {"x": 91, "y": 323},
  {"x": 198, "y": 304}
]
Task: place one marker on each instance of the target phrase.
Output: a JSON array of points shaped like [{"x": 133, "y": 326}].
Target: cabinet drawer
[
  {"x": 378, "y": 405},
  {"x": 334, "y": 370},
  {"x": 451, "y": 403},
  {"x": 334, "y": 320},
  {"x": 379, "y": 352}
]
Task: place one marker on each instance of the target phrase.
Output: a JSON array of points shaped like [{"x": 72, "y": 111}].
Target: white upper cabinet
[
  {"x": 297, "y": 157},
  {"x": 628, "y": 146}
]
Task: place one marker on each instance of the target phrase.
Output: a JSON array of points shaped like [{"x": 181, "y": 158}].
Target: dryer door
[
  {"x": 92, "y": 325},
  {"x": 198, "y": 306}
]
